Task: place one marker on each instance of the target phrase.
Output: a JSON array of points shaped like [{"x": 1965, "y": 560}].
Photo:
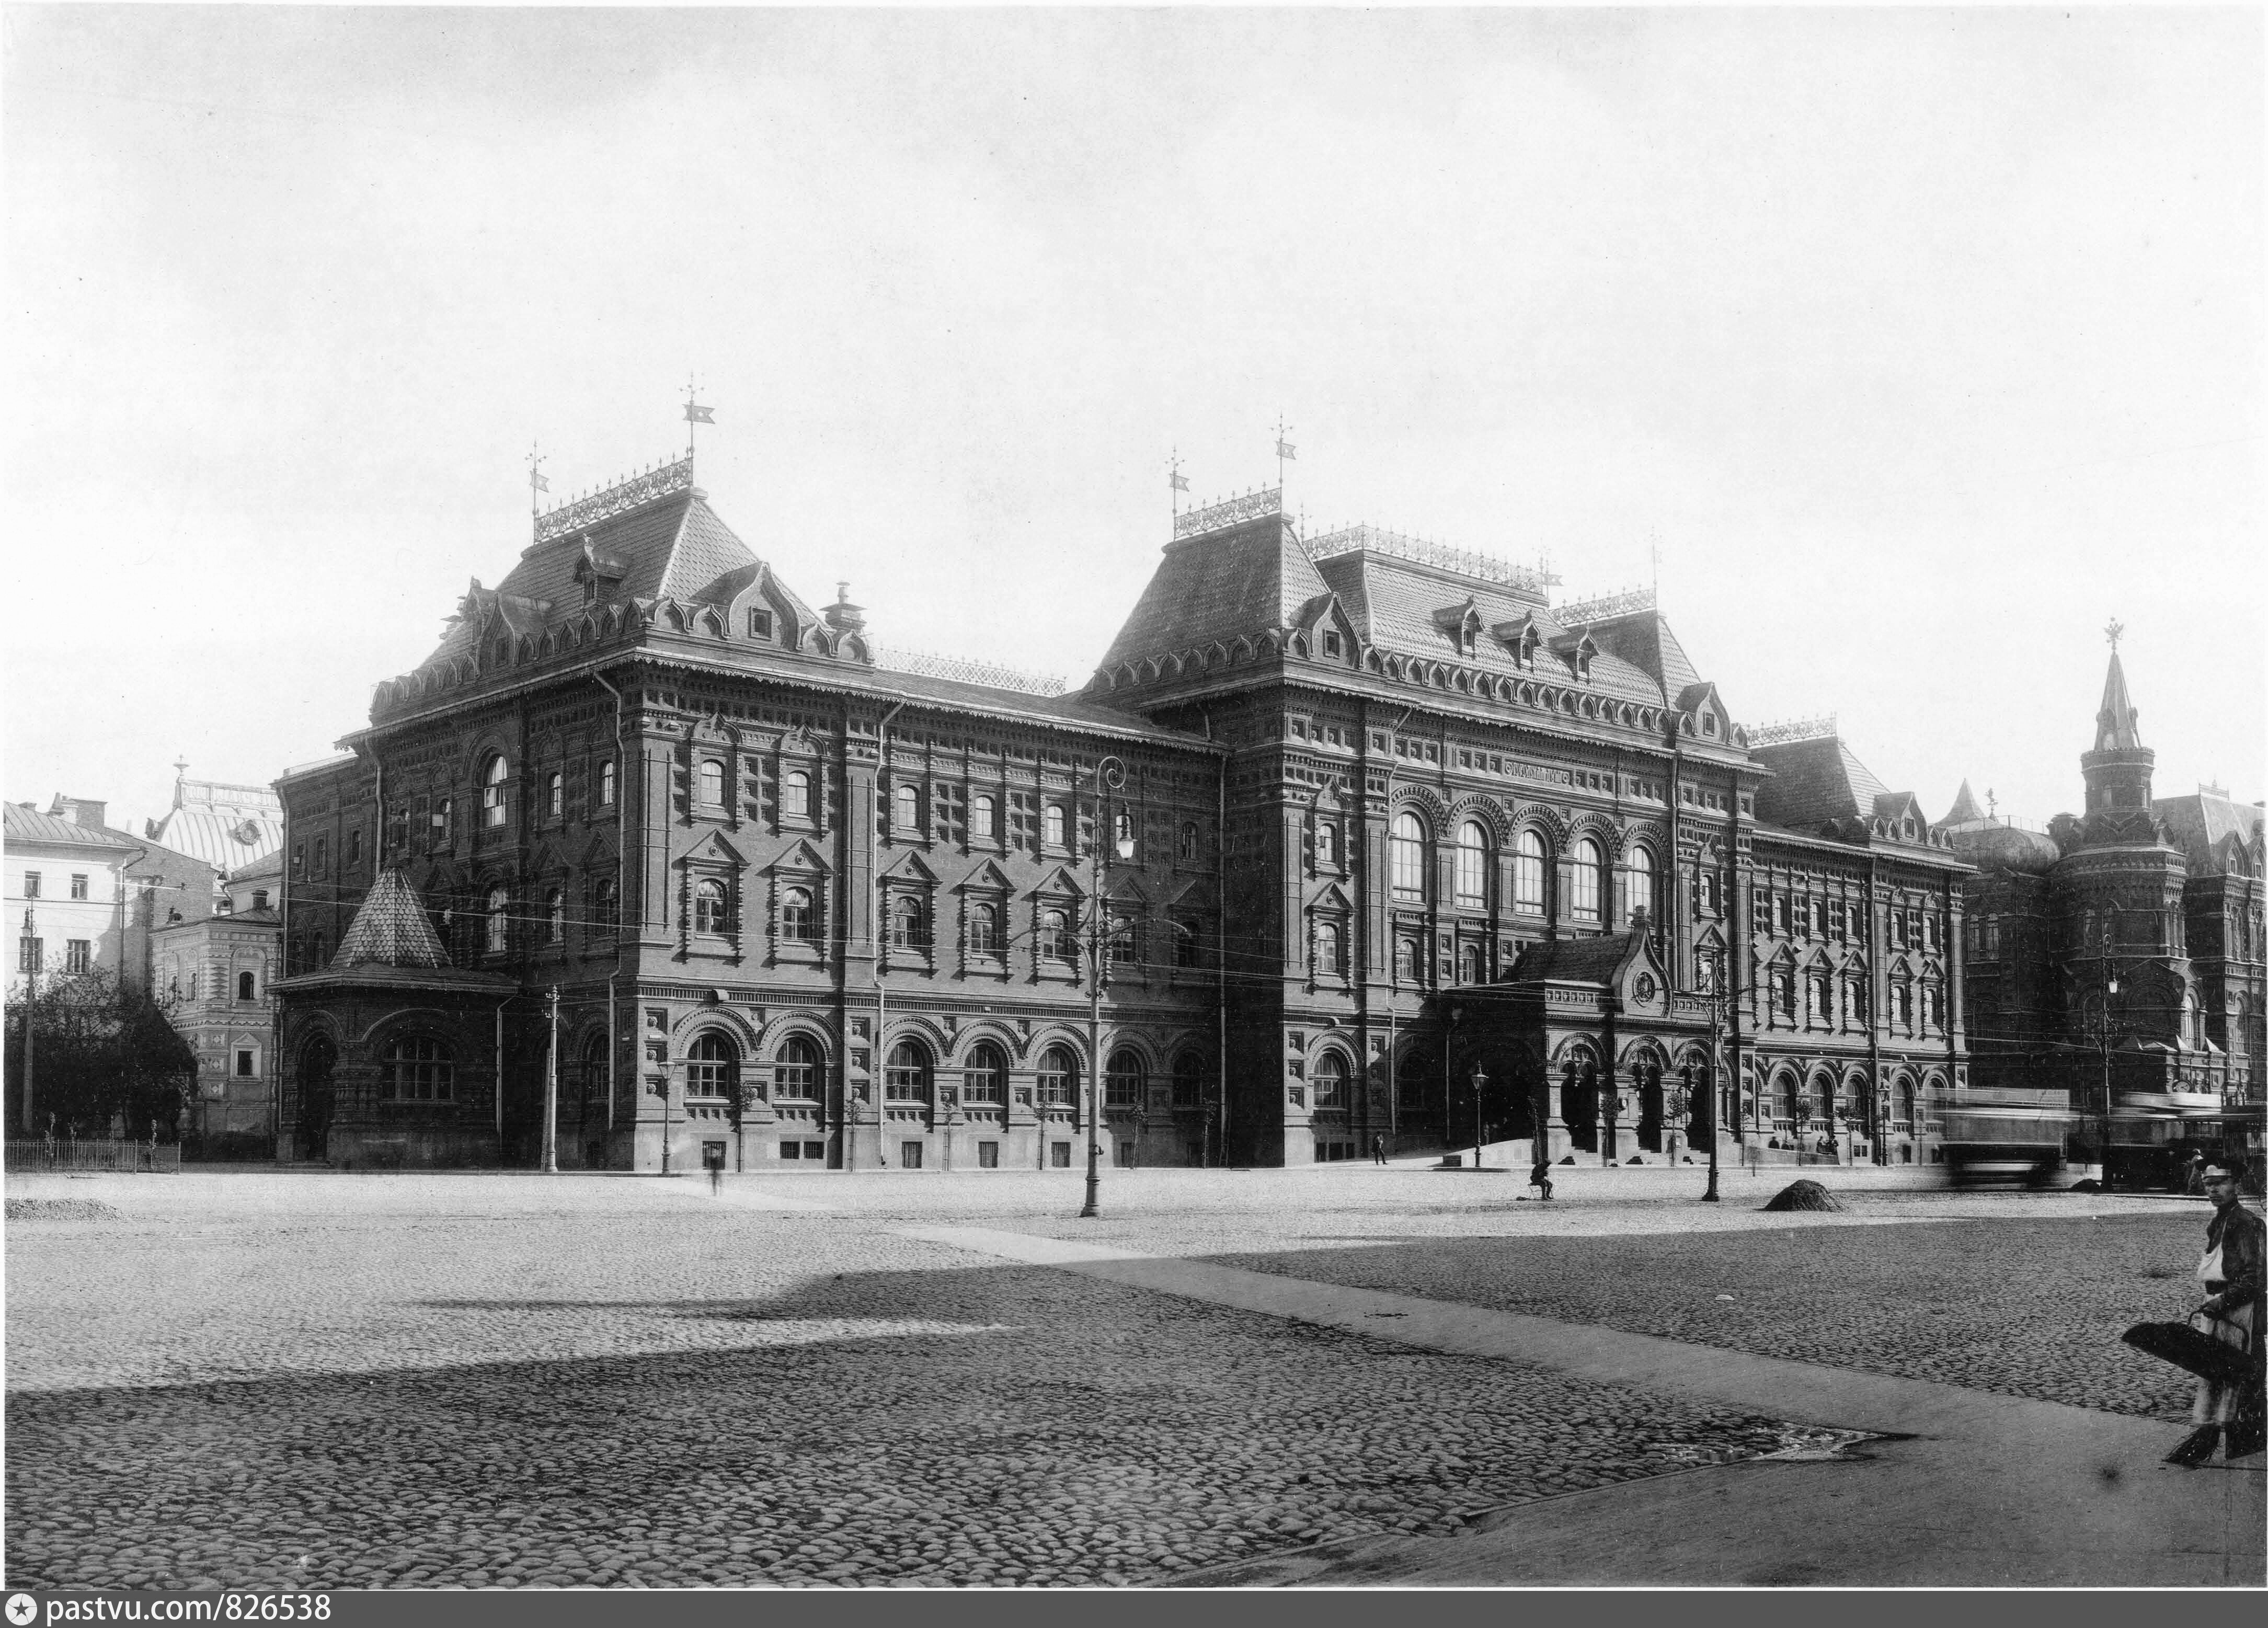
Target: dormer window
[
  {"x": 590, "y": 590},
  {"x": 1709, "y": 724},
  {"x": 760, "y": 624},
  {"x": 1330, "y": 641}
]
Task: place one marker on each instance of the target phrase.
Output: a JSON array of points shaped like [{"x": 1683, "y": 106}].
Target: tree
[{"x": 99, "y": 1047}]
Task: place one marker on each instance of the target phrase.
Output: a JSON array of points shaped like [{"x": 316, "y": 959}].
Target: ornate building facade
[
  {"x": 1364, "y": 838},
  {"x": 2116, "y": 958}
]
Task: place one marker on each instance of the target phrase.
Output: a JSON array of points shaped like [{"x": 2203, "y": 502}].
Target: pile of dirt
[
  {"x": 1802, "y": 1196},
  {"x": 60, "y": 1210}
]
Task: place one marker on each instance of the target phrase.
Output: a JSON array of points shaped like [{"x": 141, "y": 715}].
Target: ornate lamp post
[
  {"x": 551, "y": 1088},
  {"x": 1109, "y": 775},
  {"x": 1714, "y": 1098},
  {"x": 1479, "y": 1129}
]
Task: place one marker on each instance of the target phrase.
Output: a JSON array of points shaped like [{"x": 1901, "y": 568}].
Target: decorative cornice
[
  {"x": 628, "y": 494},
  {"x": 1230, "y": 512}
]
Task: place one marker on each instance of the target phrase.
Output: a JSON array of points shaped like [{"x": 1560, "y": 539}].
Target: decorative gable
[{"x": 712, "y": 849}]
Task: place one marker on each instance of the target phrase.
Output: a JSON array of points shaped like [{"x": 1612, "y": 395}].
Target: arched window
[
  {"x": 1472, "y": 864},
  {"x": 908, "y": 923},
  {"x": 1055, "y": 941},
  {"x": 983, "y": 815},
  {"x": 492, "y": 778},
  {"x": 713, "y": 783},
  {"x": 243, "y": 986},
  {"x": 606, "y": 784},
  {"x": 1188, "y": 953},
  {"x": 905, "y": 1078},
  {"x": 1188, "y": 1080},
  {"x": 1329, "y": 953},
  {"x": 985, "y": 1080},
  {"x": 1058, "y": 1077},
  {"x": 1585, "y": 873},
  {"x": 1528, "y": 865},
  {"x": 908, "y": 799},
  {"x": 419, "y": 1069},
  {"x": 711, "y": 909},
  {"x": 799, "y": 922},
  {"x": 984, "y": 929},
  {"x": 1188, "y": 849},
  {"x": 1122, "y": 1082},
  {"x": 1406, "y": 856},
  {"x": 605, "y": 904},
  {"x": 1053, "y": 830},
  {"x": 1327, "y": 842},
  {"x": 1330, "y": 1080},
  {"x": 1641, "y": 884},
  {"x": 555, "y": 787},
  {"x": 555, "y": 914},
  {"x": 499, "y": 920},
  {"x": 1469, "y": 964},
  {"x": 596, "y": 1082},
  {"x": 1125, "y": 943},
  {"x": 712, "y": 1067},
  {"x": 1406, "y": 959},
  {"x": 797, "y": 1074}
]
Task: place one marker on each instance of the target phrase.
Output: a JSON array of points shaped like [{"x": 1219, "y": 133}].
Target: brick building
[{"x": 1383, "y": 820}]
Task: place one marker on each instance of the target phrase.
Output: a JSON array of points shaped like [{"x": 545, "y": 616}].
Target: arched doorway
[
  {"x": 319, "y": 1061},
  {"x": 1645, "y": 1080}
]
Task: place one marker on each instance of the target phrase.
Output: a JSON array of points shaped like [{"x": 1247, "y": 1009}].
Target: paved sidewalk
[{"x": 1979, "y": 1489}]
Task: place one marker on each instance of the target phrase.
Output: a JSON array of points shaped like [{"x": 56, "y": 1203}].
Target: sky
[{"x": 1904, "y": 349}]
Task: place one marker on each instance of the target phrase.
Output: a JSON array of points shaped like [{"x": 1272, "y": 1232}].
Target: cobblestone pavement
[{"x": 330, "y": 1381}]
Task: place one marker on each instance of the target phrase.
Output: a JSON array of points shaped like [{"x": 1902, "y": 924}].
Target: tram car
[{"x": 2007, "y": 1138}]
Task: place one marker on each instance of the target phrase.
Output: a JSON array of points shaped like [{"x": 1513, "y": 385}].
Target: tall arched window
[
  {"x": 711, "y": 909},
  {"x": 795, "y": 795},
  {"x": 606, "y": 784},
  {"x": 908, "y": 923},
  {"x": 1527, "y": 868},
  {"x": 1406, "y": 959},
  {"x": 1327, "y": 842},
  {"x": 1124, "y": 943},
  {"x": 798, "y": 921},
  {"x": 713, "y": 783},
  {"x": 712, "y": 1067},
  {"x": 1472, "y": 864},
  {"x": 556, "y": 793},
  {"x": 1330, "y": 1080},
  {"x": 984, "y": 816},
  {"x": 1585, "y": 872},
  {"x": 905, "y": 1078},
  {"x": 1640, "y": 880},
  {"x": 1188, "y": 848},
  {"x": 1056, "y": 940},
  {"x": 492, "y": 778},
  {"x": 984, "y": 929},
  {"x": 1469, "y": 964},
  {"x": 908, "y": 799},
  {"x": 1123, "y": 1083},
  {"x": 1188, "y": 1080},
  {"x": 797, "y": 1074},
  {"x": 596, "y": 1081},
  {"x": 499, "y": 920},
  {"x": 985, "y": 1080},
  {"x": 243, "y": 986},
  {"x": 605, "y": 905},
  {"x": 1054, "y": 830},
  {"x": 1406, "y": 856},
  {"x": 1058, "y": 1077},
  {"x": 555, "y": 914},
  {"x": 1329, "y": 955},
  {"x": 419, "y": 1069}
]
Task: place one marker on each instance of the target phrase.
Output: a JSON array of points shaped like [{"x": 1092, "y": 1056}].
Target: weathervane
[
  {"x": 536, "y": 484},
  {"x": 1176, "y": 482},
  {"x": 1285, "y": 453},
  {"x": 2111, "y": 631},
  {"x": 695, "y": 413}
]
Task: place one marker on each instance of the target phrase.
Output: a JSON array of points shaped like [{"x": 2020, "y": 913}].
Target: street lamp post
[
  {"x": 1479, "y": 1129},
  {"x": 2103, "y": 1040},
  {"x": 551, "y": 1090},
  {"x": 1109, "y": 775},
  {"x": 1712, "y": 1103}
]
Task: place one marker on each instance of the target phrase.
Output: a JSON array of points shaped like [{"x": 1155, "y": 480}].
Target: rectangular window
[
  {"x": 30, "y": 954},
  {"x": 322, "y": 854},
  {"x": 31, "y": 884},
  {"x": 909, "y": 1155},
  {"x": 1059, "y": 1155},
  {"x": 78, "y": 956},
  {"x": 760, "y": 624},
  {"x": 815, "y": 1150},
  {"x": 988, "y": 1155},
  {"x": 244, "y": 1062},
  {"x": 79, "y": 886},
  {"x": 792, "y": 1150}
]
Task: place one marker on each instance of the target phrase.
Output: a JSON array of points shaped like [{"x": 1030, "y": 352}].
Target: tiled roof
[
  {"x": 1586, "y": 960},
  {"x": 270, "y": 865},
  {"x": 2198, "y": 823},
  {"x": 1964, "y": 809},
  {"x": 2115, "y": 726},
  {"x": 1814, "y": 781},
  {"x": 26, "y": 824},
  {"x": 390, "y": 929},
  {"x": 1220, "y": 587}
]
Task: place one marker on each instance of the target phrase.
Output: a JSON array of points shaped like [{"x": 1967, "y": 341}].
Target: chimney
[{"x": 80, "y": 810}]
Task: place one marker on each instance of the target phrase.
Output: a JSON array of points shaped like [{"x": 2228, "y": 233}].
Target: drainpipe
[
  {"x": 611, "y": 1044},
  {"x": 873, "y": 943},
  {"x": 499, "y": 1078},
  {"x": 621, "y": 824}
]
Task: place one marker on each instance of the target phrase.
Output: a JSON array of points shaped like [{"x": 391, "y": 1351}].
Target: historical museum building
[
  {"x": 1350, "y": 837},
  {"x": 2115, "y": 960}
]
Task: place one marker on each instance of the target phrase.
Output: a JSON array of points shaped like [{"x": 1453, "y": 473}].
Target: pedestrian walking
[
  {"x": 2221, "y": 1343},
  {"x": 1378, "y": 1149}
]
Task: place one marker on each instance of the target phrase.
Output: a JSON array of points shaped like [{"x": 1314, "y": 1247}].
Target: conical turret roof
[
  {"x": 2115, "y": 728},
  {"x": 1964, "y": 809},
  {"x": 390, "y": 930}
]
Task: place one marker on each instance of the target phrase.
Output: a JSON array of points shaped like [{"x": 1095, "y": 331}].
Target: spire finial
[
  {"x": 1176, "y": 483},
  {"x": 1285, "y": 453},
  {"x": 536, "y": 484},
  {"x": 695, "y": 413},
  {"x": 2111, "y": 630}
]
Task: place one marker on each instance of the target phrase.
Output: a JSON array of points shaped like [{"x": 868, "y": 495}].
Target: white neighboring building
[{"x": 67, "y": 893}]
